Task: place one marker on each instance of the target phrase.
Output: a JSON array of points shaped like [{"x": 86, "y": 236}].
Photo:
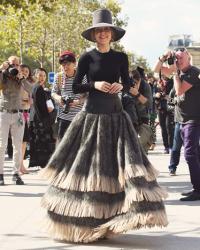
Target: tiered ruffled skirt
[{"x": 101, "y": 182}]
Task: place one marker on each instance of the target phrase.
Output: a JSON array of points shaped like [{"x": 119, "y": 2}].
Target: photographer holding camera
[
  {"x": 187, "y": 86},
  {"x": 165, "y": 116},
  {"x": 69, "y": 104},
  {"x": 11, "y": 83}
]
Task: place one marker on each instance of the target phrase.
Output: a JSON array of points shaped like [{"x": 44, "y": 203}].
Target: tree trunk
[{"x": 21, "y": 38}]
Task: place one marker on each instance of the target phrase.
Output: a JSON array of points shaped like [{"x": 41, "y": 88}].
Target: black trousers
[
  {"x": 62, "y": 128},
  {"x": 166, "y": 120}
]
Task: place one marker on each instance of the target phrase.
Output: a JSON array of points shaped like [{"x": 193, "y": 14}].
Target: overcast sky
[{"x": 151, "y": 22}]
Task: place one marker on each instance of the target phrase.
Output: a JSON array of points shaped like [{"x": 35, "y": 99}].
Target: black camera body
[
  {"x": 171, "y": 60},
  {"x": 67, "y": 100},
  {"x": 160, "y": 102},
  {"x": 132, "y": 83},
  {"x": 11, "y": 71}
]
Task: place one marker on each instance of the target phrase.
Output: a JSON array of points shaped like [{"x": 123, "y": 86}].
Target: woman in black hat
[{"x": 102, "y": 183}]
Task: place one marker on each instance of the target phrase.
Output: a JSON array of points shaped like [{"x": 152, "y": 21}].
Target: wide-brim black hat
[{"x": 103, "y": 18}]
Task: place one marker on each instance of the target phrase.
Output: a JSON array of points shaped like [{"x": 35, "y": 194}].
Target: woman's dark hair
[
  {"x": 136, "y": 75},
  {"x": 36, "y": 71}
]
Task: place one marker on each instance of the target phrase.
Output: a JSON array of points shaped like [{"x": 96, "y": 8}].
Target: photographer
[
  {"x": 177, "y": 140},
  {"x": 69, "y": 104},
  {"x": 187, "y": 85},
  {"x": 11, "y": 83},
  {"x": 165, "y": 116},
  {"x": 137, "y": 104}
]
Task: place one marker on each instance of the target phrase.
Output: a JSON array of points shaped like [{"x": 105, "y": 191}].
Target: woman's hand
[
  {"x": 50, "y": 109},
  {"x": 158, "y": 95},
  {"x": 102, "y": 86},
  {"x": 115, "y": 88},
  {"x": 74, "y": 103},
  {"x": 165, "y": 56},
  {"x": 134, "y": 91}
]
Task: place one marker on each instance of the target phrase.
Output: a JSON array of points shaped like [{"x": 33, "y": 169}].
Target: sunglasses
[{"x": 180, "y": 49}]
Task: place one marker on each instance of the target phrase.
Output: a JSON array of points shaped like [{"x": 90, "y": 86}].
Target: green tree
[{"x": 38, "y": 30}]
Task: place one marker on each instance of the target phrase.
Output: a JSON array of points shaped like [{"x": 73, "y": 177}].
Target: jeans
[
  {"x": 191, "y": 134},
  {"x": 10, "y": 121},
  {"x": 176, "y": 149},
  {"x": 62, "y": 128}
]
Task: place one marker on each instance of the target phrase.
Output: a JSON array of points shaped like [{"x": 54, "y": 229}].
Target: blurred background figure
[
  {"x": 42, "y": 143},
  {"x": 26, "y": 102},
  {"x": 165, "y": 116},
  {"x": 152, "y": 110},
  {"x": 69, "y": 103},
  {"x": 11, "y": 114}
]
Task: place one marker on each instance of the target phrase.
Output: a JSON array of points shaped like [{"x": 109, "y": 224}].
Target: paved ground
[{"x": 21, "y": 216}]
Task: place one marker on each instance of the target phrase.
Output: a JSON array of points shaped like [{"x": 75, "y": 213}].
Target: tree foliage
[{"x": 38, "y": 30}]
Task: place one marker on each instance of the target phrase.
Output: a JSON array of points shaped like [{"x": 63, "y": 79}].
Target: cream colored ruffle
[
  {"x": 85, "y": 208},
  {"x": 70, "y": 181},
  {"x": 72, "y": 233}
]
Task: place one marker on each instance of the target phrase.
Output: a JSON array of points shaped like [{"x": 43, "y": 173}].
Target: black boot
[
  {"x": 17, "y": 180},
  {"x": 1, "y": 180}
]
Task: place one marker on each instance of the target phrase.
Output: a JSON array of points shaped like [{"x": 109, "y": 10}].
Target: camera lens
[
  {"x": 171, "y": 60},
  {"x": 13, "y": 71}
]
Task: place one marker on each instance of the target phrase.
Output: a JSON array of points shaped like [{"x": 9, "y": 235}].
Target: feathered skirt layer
[{"x": 101, "y": 182}]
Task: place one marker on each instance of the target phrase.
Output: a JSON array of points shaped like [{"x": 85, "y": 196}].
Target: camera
[
  {"x": 11, "y": 71},
  {"x": 132, "y": 82},
  {"x": 67, "y": 100},
  {"x": 171, "y": 60}
]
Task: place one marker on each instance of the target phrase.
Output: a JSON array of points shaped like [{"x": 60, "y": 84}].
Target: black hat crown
[{"x": 102, "y": 16}]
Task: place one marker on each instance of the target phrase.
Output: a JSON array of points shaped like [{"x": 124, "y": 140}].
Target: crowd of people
[{"x": 92, "y": 130}]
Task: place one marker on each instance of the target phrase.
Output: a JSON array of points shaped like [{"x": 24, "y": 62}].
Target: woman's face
[
  {"x": 68, "y": 67},
  {"x": 25, "y": 72},
  {"x": 103, "y": 35},
  {"x": 41, "y": 77}
]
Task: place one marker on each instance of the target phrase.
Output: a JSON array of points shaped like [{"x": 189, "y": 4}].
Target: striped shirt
[{"x": 63, "y": 87}]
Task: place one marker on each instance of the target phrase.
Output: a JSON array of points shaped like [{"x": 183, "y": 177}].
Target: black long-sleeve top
[
  {"x": 39, "y": 104},
  {"x": 111, "y": 67}
]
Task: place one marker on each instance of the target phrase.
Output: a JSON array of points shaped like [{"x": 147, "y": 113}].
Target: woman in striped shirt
[{"x": 69, "y": 103}]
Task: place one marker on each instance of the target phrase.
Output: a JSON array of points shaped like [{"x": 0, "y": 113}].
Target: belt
[{"x": 12, "y": 111}]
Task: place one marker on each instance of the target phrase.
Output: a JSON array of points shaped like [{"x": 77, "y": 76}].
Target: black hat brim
[{"x": 118, "y": 32}]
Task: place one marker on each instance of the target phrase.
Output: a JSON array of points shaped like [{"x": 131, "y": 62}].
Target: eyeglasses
[
  {"x": 180, "y": 49},
  {"x": 102, "y": 29}
]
